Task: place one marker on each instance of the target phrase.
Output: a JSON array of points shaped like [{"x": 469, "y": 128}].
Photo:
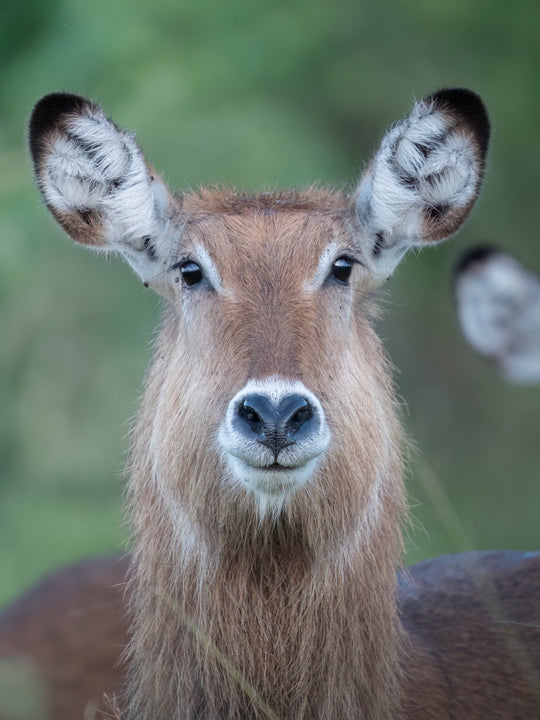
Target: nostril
[
  {"x": 250, "y": 415},
  {"x": 300, "y": 417},
  {"x": 276, "y": 423}
]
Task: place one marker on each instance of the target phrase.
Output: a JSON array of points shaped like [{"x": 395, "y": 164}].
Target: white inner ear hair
[
  {"x": 424, "y": 162},
  {"x": 94, "y": 167}
]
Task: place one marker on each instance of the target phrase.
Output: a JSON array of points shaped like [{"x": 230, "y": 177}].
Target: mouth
[
  {"x": 290, "y": 415},
  {"x": 273, "y": 482}
]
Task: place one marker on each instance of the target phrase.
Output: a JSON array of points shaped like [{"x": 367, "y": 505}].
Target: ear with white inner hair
[
  {"x": 424, "y": 179},
  {"x": 97, "y": 185},
  {"x": 498, "y": 308}
]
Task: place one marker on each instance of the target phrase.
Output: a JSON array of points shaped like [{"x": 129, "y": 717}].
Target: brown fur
[
  {"x": 299, "y": 605},
  {"x": 67, "y": 634},
  {"x": 84, "y": 227}
]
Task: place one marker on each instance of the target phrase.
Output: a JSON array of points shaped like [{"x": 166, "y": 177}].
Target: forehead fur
[
  {"x": 224, "y": 201},
  {"x": 266, "y": 232}
]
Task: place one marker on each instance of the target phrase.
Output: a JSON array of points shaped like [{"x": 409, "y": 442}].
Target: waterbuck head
[{"x": 269, "y": 395}]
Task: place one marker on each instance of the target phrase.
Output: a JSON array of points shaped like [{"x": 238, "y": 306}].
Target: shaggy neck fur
[
  {"x": 304, "y": 649},
  {"x": 238, "y": 617}
]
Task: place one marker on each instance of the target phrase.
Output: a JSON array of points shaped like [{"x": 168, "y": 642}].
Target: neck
[{"x": 271, "y": 629}]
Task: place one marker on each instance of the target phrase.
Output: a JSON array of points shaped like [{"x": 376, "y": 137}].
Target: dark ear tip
[
  {"x": 46, "y": 114},
  {"x": 475, "y": 256},
  {"x": 468, "y": 105}
]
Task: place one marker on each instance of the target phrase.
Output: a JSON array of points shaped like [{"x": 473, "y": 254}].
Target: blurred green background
[{"x": 255, "y": 94}]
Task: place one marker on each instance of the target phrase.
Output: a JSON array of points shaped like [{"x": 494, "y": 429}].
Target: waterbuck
[{"x": 266, "y": 488}]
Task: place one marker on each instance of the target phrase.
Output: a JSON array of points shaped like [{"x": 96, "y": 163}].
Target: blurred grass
[
  {"x": 254, "y": 94},
  {"x": 21, "y": 691}
]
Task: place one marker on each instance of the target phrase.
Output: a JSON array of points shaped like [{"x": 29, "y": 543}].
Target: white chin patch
[{"x": 271, "y": 485}]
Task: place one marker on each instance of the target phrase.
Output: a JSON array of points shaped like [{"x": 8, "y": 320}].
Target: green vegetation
[
  {"x": 21, "y": 692},
  {"x": 254, "y": 94}
]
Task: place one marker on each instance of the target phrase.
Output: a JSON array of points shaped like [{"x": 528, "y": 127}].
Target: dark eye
[
  {"x": 342, "y": 268},
  {"x": 191, "y": 273}
]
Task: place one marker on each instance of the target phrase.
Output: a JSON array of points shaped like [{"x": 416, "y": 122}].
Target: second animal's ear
[
  {"x": 498, "y": 308},
  {"x": 97, "y": 184},
  {"x": 424, "y": 179}
]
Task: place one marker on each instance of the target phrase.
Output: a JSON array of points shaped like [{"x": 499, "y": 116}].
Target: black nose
[{"x": 276, "y": 425}]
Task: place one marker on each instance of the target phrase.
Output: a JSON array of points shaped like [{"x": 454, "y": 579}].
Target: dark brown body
[
  {"x": 473, "y": 622},
  {"x": 69, "y": 630}
]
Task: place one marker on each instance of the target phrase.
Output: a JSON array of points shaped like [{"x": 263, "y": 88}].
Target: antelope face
[
  {"x": 266, "y": 289},
  {"x": 267, "y": 365}
]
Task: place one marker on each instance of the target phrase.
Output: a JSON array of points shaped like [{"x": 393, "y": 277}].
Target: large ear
[
  {"x": 424, "y": 179},
  {"x": 498, "y": 307},
  {"x": 97, "y": 184}
]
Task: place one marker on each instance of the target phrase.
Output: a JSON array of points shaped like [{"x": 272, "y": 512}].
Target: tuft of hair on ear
[
  {"x": 50, "y": 113},
  {"x": 468, "y": 107}
]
